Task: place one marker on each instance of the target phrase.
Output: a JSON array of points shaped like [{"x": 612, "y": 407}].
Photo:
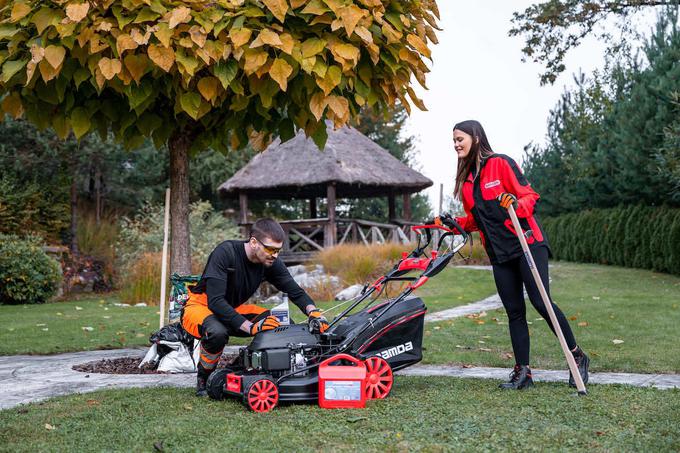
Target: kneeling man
[{"x": 232, "y": 274}]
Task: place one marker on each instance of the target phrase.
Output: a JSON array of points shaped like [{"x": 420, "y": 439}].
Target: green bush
[
  {"x": 144, "y": 233},
  {"x": 646, "y": 237},
  {"x": 27, "y": 274}
]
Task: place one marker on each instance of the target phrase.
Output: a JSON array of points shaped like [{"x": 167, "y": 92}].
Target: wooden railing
[{"x": 308, "y": 236}]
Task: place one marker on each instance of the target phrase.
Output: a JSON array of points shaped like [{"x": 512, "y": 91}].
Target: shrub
[
  {"x": 633, "y": 236},
  {"x": 97, "y": 240},
  {"x": 27, "y": 208},
  {"x": 141, "y": 282},
  {"x": 359, "y": 263},
  {"x": 144, "y": 233},
  {"x": 27, "y": 273}
]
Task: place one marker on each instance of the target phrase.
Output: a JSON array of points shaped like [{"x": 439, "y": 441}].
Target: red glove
[{"x": 268, "y": 323}]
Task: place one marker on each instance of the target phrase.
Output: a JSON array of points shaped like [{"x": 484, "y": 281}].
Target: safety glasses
[{"x": 268, "y": 248}]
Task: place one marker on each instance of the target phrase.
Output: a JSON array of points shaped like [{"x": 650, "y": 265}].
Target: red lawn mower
[{"x": 381, "y": 337}]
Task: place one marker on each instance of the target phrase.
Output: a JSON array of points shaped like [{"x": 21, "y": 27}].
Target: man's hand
[
  {"x": 506, "y": 200},
  {"x": 316, "y": 321},
  {"x": 268, "y": 323}
]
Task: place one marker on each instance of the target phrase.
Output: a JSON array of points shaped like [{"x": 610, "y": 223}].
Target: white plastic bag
[
  {"x": 151, "y": 356},
  {"x": 179, "y": 360}
]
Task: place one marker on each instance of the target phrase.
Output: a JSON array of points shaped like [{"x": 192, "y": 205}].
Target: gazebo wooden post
[
  {"x": 391, "y": 206},
  {"x": 407, "y": 207},
  {"x": 312, "y": 208},
  {"x": 331, "y": 228},
  {"x": 243, "y": 211}
]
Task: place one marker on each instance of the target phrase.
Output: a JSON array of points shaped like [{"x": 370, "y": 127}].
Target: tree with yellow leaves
[{"x": 198, "y": 74}]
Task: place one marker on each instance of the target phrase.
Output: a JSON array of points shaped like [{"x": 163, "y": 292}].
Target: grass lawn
[
  {"x": 65, "y": 326},
  {"x": 604, "y": 303},
  {"x": 422, "y": 414},
  {"x": 58, "y": 327}
]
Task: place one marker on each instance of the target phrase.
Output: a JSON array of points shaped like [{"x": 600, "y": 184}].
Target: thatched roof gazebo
[{"x": 350, "y": 166}]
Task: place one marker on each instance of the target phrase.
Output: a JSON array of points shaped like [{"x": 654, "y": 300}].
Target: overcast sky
[{"x": 477, "y": 73}]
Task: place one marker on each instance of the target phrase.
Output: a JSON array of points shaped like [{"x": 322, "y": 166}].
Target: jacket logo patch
[{"x": 491, "y": 184}]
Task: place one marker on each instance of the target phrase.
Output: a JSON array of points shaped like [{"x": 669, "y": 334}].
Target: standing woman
[{"x": 488, "y": 183}]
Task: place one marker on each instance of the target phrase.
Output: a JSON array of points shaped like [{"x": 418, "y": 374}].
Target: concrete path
[{"x": 490, "y": 303}]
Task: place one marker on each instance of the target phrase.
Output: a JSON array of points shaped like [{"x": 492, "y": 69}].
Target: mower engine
[{"x": 283, "y": 350}]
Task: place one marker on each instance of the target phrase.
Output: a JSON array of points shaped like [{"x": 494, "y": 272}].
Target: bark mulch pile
[{"x": 130, "y": 365}]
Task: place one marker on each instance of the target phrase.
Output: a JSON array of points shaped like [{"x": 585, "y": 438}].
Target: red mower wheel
[
  {"x": 379, "y": 378},
  {"x": 262, "y": 396}
]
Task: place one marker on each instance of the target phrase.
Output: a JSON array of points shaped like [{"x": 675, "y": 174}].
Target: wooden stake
[
  {"x": 580, "y": 386},
  {"x": 164, "y": 263}
]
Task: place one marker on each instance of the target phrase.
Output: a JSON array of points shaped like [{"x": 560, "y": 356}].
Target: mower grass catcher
[{"x": 359, "y": 351}]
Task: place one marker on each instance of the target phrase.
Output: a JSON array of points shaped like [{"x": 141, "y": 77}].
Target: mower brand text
[{"x": 395, "y": 351}]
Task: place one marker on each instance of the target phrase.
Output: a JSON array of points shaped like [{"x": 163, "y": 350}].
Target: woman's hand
[{"x": 506, "y": 200}]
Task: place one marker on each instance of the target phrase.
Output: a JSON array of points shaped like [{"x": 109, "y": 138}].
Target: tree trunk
[
  {"x": 180, "y": 240},
  {"x": 74, "y": 216},
  {"x": 73, "y": 246},
  {"x": 98, "y": 192}
]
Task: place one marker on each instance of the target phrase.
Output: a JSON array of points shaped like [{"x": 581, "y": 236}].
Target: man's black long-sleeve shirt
[{"x": 230, "y": 278}]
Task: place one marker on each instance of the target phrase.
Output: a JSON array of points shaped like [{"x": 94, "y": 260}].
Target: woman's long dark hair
[{"x": 479, "y": 150}]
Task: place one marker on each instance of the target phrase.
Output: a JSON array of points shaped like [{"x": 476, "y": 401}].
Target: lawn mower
[{"x": 382, "y": 336}]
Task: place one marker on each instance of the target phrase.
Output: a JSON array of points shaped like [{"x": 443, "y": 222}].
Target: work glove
[
  {"x": 506, "y": 200},
  {"x": 268, "y": 323},
  {"x": 316, "y": 321}
]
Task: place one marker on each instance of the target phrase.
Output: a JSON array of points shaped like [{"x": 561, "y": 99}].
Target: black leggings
[{"x": 510, "y": 277}]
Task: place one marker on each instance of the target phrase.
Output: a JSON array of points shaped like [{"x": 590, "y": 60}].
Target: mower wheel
[
  {"x": 379, "y": 378},
  {"x": 261, "y": 396},
  {"x": 216, "y": 382}
]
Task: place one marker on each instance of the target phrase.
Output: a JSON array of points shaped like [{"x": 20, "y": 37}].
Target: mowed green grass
[
  {"x": 604, "y": 304},
  {"x": 65, "y": 326},
  {"x": 422, "y": 414}
]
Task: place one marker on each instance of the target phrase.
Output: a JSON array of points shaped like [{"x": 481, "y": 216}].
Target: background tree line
[{"x": 614, "y": 138}]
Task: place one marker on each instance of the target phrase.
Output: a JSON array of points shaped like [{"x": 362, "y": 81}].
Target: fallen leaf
[
  {"x": 582, "y": 324},
  {"x": 49, "y": 427},
  {"x": 87, "y": 328},
  {"x": 93, "y": 403},
  {"x": 616, "y": 341},
  {"x": 485, "y": 349},
  {"x": 573, "y": 318},
  {"x": 466, "y": 365},
  {"x": 480, "y": 321},
  {"x": 599, "y": 433},
  {"x": 596, "y": 298},
  {"x": 106, "y": 317},
  {"x": 60, "y": 313},
  {"x": 78, "y": 308},
  {"x": 506, "y": 355},
  {"x": 40, "y": 325},
  {"x": 481, "y": 342},
  {"x": 45, "y": 329},
  {"x": 436, "y": 327}
]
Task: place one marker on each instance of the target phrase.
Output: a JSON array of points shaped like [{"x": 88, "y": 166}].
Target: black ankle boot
[
  {"x": 582, "y": 362},
  {"x": 520, "y": 378},
  {"x": 201, "y": 378}
]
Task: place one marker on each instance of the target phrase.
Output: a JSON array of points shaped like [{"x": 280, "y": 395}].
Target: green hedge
[
  {"x": 633, "y": 236},
  {"x": 27, "y": 274}
]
